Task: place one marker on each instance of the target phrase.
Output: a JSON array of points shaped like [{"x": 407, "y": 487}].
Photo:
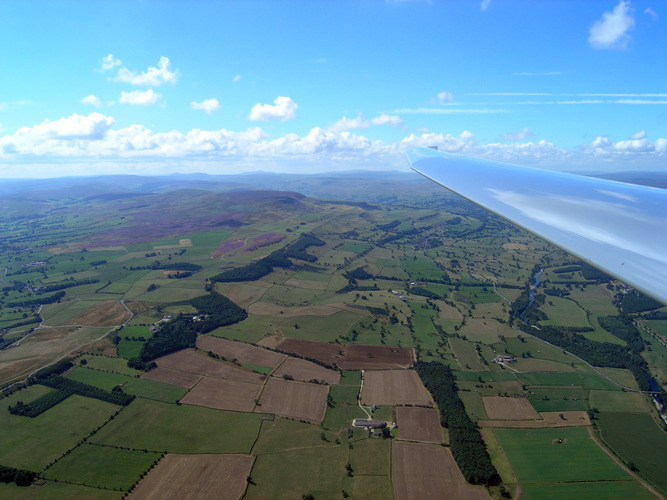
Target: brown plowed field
[
  {"x": 181, "y": 477},
  {"x": 394, "y": 388},
  {"x": 351, "y": 356},
  {"x": 419, "y": 424},
  {"x": 300, "y": 369},
  {"x": 499, "y": 408},
  {"x": 201, "y": 364},
  {"x": 295, "y": 400},
  {"x": 173, "y": 377},
  {"x": 106, "y": 313},
  {"x": 244, "y": 353},
  {"x": 428, "y": 471},
  {"x": 546, "y": 420},
  {"x": 223, "y": 394}
]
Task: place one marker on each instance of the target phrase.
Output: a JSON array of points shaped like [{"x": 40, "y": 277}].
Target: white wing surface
[{"x": 619, "y": 228}]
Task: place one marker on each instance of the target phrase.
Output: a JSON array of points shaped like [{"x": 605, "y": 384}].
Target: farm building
[{"x": 373, "y": 424}]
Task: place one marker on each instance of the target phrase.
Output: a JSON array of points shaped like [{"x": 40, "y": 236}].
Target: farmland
[{"x": 355, "y": 293}]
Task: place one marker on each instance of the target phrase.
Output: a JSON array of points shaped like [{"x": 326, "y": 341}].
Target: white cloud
[
  {"x": 444, "y": 97},
  {"x": 283, "y": 109},
  {"x": 109, "y": 62},
  {"x": 154, "y": 76},
  {"x": 237, "y": 78},
  {"x": 517, "y": 136},
  {"x": 359, "y": 122},
  {"x": 139, "y": 97},
  {"x": 484, "y": 5},
  {"x": 651, "y": 13},
  {"x": 448, "y": 111},
  {"x": 612, "y": 30},
  {"x": 91, "y": 99},
  {"x": 638, "y": 135},
  {"x": 208, "y": 105}
]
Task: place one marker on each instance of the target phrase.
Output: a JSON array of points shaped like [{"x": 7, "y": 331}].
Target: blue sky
[{"x": 152, "y": 87}]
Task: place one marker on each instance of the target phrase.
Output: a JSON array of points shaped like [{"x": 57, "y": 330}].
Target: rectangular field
[
  {"x": 419, "y": 424},
  {"x": 244, "y": 353},
  {"x": 223, "y": 394},
  {"x": 537, "y": 456},
  {"x": 499, "y": 408},
  {"x": 173, "y": 377},
  {"x": 303, "y": 370},
  {"x": 201, "y": 364},
  {"x": 297, "y": 400},
  {"x": 351, "y": 356},
  {"x": 196, "y": 476},
  {"x": 394, "y": 388},
  {"x": 429, "y": 471}
]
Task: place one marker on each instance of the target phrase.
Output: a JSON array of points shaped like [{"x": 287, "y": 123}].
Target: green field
[
  {"x": 157, "y": 426},
  {"x": 102, "y": 466},
  {"x": 619, "y": 490},
  {"x": 638, "y": 440},
  {"x": 31, "y": 443},
  {"x": 585, "y": 380},
  {"x": 559, "y": 399},
  {"x": 535, "y": 458}
]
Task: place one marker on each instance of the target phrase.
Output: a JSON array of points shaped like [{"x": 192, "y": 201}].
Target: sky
[{"x": 156, "y": 87}]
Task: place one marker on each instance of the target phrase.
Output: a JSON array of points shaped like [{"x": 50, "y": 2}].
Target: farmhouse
[
  {"x": 504, "y": 359},
  {"x": 371, "y": 424}
]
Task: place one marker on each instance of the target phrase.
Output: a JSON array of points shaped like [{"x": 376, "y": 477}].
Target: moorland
[{"x": 166, "y": 335}]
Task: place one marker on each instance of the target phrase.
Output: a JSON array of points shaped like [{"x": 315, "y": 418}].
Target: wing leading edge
[{"x": 619, "y": 228}]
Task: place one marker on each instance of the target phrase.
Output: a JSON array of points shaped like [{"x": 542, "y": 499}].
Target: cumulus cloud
[
  {"x": 283, "y": 109},
  {"x": 109, "y": 62},
  {"x": 92, "y": 100},
  {"x": 139, "y": 97},
  {"x": 154, "y": 76},
  {"x": 517, "y": 136},
  {"x": 612, "y": 30},
  {"x": 637, "y": 145},
  {"x": 207, "y": 105},
  {"x": 359, "y": 122}
]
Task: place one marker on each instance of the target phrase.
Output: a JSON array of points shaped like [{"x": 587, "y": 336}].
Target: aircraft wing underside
[{"x": 619, "y": 228}]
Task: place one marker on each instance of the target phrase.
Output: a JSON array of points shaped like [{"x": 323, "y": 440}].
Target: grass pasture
[
  {"x": 637, "y": 439},
  {"x": 585, "y": 380},
  {"x": 616, "y": 401},
  {"x": 102, "y": 466},
  {"x": 537, "y": 458},
  {"x": 31, "y": 443},
  {"x": 558, "y": 399},
  {"x": 180, "y": 429}
]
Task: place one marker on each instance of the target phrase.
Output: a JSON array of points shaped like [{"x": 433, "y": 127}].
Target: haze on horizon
[{"x": 154, "y": 88}]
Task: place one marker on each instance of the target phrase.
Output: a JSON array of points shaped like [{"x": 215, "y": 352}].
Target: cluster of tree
[
  {"x": 19, "y": 476},
  {"x": 556, "y": 292},
  {"x": 417, "y": 290},
  {"x": 50, "y": 299},
  {"x": 66, "y": 284},
  {"x": 566, "y": 269},
  {"x": 357, "y": 274},
  {"x": 181, "y": 332},
  {"x": 90, "y": 391},
  {"x": 466, "y": 442},
  {"x": 357, "y": 288},
  {"x": 16, "y": 286},
  {"x": 265, "y": 266},
  {"x": 174, "y": 266},
  {"x": 96, "y": 263},
  {"x": 39, "y": 405},
  {"x": 591, "y": 273},
  {"x": 389, "y": 226},
  {"x": 180, "y": 275},
  {"x": 635, "y": 302},
  {"x": 397, "y": 236}
]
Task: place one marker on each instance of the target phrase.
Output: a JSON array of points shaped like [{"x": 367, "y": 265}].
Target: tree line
[{"x": 466, "y": 442}]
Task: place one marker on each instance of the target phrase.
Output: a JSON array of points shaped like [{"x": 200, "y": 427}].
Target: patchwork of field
[
  {"x": 393, "y": 388},
  {"x": 429, "y": 471},
  {"x": 196, "y": 476},
  {"x": 350, "y": 356},
  {"x": 419, "y": 424},
  {"x": 298, "y": 400},
  {"x": 201, "y": 364},
  {"x": 244, "y": 353},
  {"x": 106, "y": 313},
  {"x": 223, "y": 394},
  {"x": 300, "y": 369},
  {"x": 499, "y": 408}
]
